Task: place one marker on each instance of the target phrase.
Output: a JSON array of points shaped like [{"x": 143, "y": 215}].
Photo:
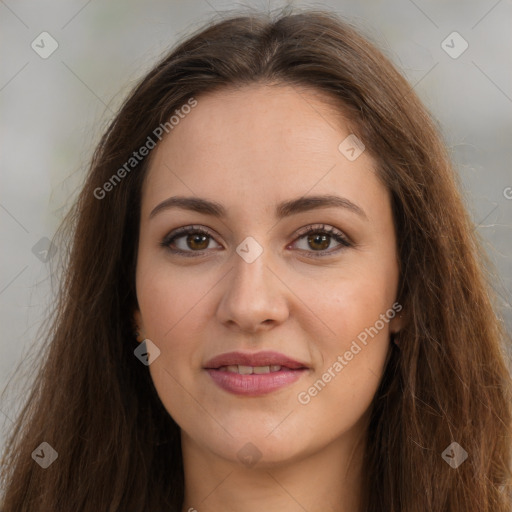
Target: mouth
[{"x": 254, "y": 374}]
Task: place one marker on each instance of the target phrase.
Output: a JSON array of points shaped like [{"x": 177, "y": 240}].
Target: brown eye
[
  {"x": 187, "y": 240},
  {"x": 318, "y": 240}
]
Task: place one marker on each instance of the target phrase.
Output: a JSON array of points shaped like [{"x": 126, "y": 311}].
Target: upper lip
[{"x": 265, "y": 358}]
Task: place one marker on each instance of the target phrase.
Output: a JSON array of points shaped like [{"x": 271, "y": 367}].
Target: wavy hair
[{"x": 92, "y": 400}]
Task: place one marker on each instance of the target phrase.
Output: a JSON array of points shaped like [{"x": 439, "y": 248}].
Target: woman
[{"x": 274, "y": 299}]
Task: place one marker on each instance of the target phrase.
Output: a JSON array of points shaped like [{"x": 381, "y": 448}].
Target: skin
[{"x": 249, "y": 149}]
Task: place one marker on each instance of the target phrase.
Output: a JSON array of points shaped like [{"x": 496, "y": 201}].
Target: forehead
[{"x": 260, "y": 144}]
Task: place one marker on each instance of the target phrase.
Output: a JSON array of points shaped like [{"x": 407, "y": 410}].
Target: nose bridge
[{"x": 253, "y": 294}]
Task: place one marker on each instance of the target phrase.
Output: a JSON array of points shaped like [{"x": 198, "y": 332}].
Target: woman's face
[{"x": 321, "y": 303}]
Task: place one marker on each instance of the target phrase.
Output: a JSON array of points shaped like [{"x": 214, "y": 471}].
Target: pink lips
[{"x": 254, "y": 384}]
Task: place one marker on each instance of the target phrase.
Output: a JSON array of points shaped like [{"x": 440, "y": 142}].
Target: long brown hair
[{"x": 94, "y": 402}]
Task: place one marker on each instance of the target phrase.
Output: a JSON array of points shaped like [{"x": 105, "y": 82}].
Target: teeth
[
  {"x": 248, "y": 370},
  {"x": 244, "y": 370},
  {"x": 261, "y": 369}
]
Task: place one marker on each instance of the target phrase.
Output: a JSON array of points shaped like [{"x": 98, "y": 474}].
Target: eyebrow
[{"x": 284, "y": 209}]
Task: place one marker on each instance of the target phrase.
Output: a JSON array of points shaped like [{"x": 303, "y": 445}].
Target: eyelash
[{"x": 322, "y": 229}]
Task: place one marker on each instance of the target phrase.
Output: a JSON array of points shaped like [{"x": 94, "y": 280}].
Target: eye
[
  {"x": 320, "y": 237},
  {"x": 196, "y": 238}
]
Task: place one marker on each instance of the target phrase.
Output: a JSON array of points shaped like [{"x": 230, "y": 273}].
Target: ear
[
  {"x": 138, "y": 326},
  {"x": 397, "y": 322}
]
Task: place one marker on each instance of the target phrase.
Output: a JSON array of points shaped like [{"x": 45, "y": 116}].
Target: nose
[{"x": 254, "y": 298}]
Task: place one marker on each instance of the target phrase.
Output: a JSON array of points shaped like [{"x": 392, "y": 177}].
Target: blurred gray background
[{"x": 55, "y": 106}]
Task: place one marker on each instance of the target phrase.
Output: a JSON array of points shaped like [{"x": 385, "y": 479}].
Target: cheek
[
  {"x": 343, "y": 386},
  {"x": 356, "y": 310},
  {"x": 174, "y": 323},
  {"x": 170, "y": 297},
  {"x": 350, "y": 303},
  {"x": 175, "y": 310}
]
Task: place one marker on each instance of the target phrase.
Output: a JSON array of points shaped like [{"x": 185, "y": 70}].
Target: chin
[{"x": 255, "y": 449}]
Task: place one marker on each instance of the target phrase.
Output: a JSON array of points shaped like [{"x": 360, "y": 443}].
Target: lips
[{"x": 254, "y": 374}]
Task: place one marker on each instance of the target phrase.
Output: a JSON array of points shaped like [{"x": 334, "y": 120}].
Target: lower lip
[{"x": 254, "y": 384}]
